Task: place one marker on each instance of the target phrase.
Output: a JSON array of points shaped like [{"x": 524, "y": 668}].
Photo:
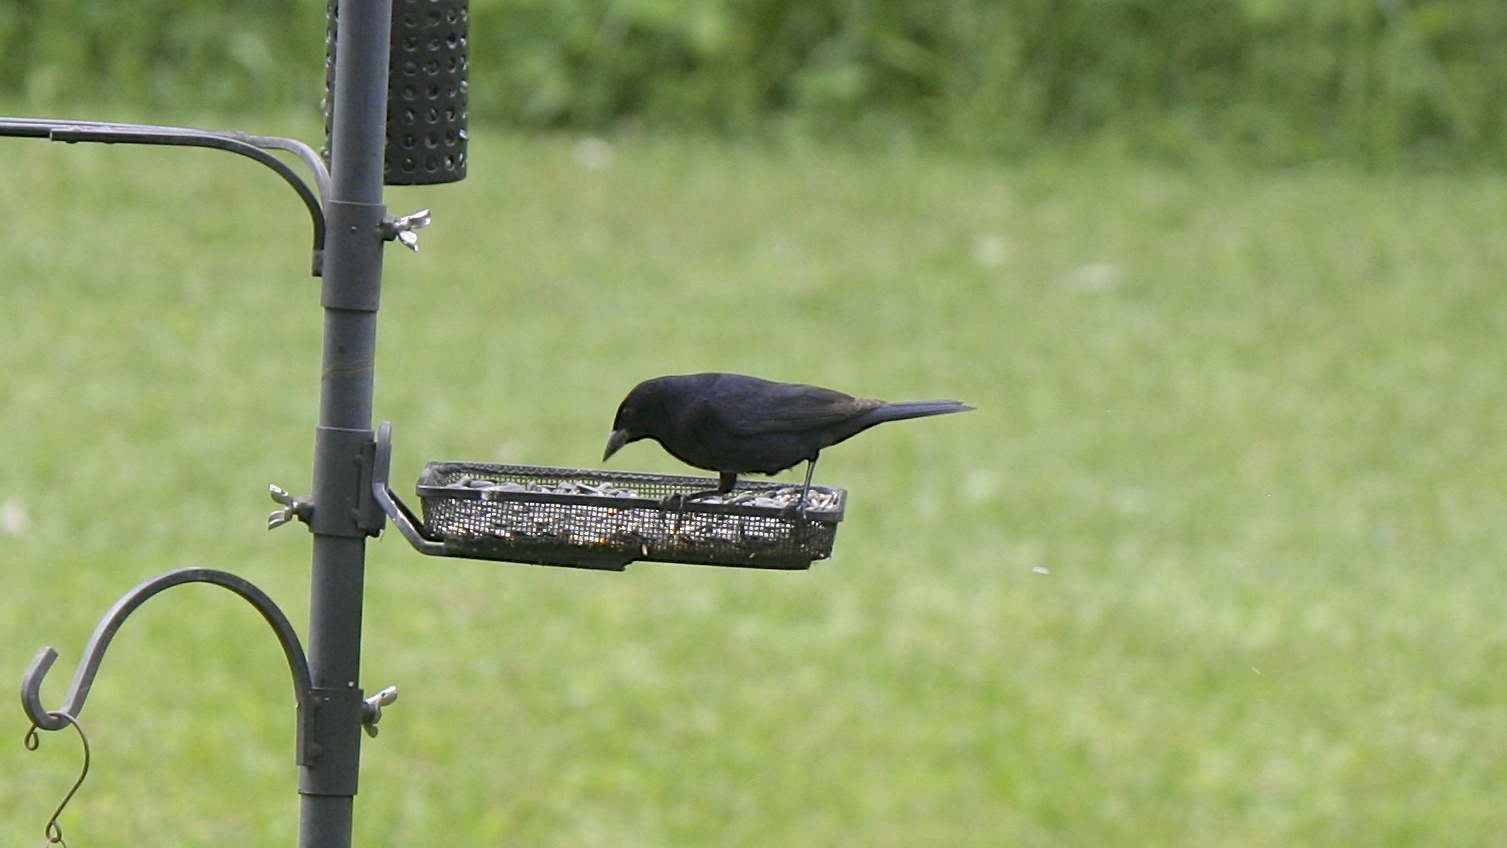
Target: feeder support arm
[{"x": 251, "y": 146}]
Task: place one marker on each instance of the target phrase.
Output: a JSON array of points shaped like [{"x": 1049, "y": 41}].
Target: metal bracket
[
  {"x": 346, "y": 512},
  {"x": 355, "y": 287},
  {"x": 327, "y": 741},
  {"x": 407, "y": 523}
]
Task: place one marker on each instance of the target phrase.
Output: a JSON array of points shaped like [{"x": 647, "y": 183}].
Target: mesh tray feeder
[{"x": 590, "y": 518}]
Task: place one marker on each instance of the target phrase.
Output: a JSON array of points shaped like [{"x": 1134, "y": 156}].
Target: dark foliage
[{"x": 1278, "y": 80}]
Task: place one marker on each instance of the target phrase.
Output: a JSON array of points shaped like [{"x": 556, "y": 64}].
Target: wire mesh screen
[
  {"x": 595, "y": 519},
  {"x": 426, "y": 97},
  {"x": 427, "y": 112}
]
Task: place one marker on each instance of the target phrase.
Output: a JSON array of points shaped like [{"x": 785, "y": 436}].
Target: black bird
[{"x": 732, "y": 424}]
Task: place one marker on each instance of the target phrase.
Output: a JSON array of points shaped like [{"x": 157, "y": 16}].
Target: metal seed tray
[{"x": 597, "y": 519}]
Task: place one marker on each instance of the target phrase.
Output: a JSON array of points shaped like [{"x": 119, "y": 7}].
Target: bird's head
[{"x": 643, "y": 414}]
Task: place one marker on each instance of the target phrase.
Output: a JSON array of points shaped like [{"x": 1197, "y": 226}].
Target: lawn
[{"x": 1217, "y": 561}]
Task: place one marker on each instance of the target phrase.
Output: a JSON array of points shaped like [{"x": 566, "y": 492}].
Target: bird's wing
[{"x": 791, "y": 407}]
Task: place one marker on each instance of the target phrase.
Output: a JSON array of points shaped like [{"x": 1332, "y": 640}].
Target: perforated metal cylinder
[{"x": 426, "y": 90}]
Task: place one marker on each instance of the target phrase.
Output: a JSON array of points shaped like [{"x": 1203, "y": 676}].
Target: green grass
[{"x": 1216, "y": 561}]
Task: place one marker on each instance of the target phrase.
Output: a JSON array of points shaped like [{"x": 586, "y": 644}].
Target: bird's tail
[{"x": 916, "y": 409}]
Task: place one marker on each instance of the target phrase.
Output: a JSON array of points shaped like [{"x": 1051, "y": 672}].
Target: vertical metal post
[{"x": 343, "y": 441}]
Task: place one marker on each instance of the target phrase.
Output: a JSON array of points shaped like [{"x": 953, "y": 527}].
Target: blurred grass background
[{"x": 1212, "y": 563}]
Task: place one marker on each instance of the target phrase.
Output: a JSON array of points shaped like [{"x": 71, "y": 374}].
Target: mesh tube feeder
[
  {"x": 427, "y": 90},
  {"x": 591, "y": 518}
]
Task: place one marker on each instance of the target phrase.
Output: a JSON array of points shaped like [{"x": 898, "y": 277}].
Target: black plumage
[{"x": 734, "y": 424}]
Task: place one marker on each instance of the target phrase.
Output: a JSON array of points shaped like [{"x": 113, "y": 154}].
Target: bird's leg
[
  {"x": 725, "y": 482},
  {"x": 799, "y": 509}
]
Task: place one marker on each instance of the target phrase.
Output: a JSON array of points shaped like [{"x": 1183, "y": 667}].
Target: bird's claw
[
  {"x": 674, "y": 502},
  {"x": 677, "y": 501}
]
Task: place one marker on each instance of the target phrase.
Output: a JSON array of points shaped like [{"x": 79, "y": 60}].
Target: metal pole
[{"x": 344, "y": 439}]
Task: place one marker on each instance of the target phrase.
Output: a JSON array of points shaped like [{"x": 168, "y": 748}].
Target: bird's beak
[{"x": 615, "y": 441}]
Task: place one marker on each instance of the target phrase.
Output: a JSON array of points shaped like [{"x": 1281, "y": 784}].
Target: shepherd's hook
[{"x": 83, "y": 679}]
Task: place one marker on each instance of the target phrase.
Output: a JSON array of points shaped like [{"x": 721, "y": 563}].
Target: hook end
[{"x": 31, "y": 691}]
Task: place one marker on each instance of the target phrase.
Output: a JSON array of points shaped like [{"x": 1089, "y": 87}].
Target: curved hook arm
[
  {"x": 45, "y": 127},
  {"x": 250, "y": 146},
  {"x": 94, "y": 652}
]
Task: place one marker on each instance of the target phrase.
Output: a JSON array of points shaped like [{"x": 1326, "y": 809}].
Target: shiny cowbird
[{"x": 732, "y": 424}]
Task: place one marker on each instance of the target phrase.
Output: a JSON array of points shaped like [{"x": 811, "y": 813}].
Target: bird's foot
[
  {"x": 803, "y": 503},
  {"x": 676, "y": 502},
  {"x": 796, "y": 511},
  {"x": 673, "y": 503}
]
